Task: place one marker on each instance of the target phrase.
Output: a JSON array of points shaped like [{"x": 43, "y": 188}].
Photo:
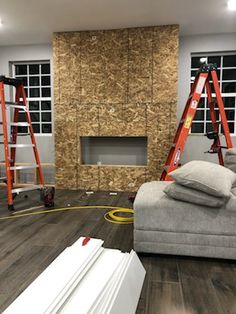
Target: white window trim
[{"x": 12, "y": 70}]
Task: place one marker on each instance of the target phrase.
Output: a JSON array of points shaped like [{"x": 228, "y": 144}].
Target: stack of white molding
[{"x": 85, "y": 279}]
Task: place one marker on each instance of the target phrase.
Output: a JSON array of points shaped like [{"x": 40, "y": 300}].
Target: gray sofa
[{"x": 168, "y": 226}]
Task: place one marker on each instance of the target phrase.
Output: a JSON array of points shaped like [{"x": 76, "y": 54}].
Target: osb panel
[
  {"x": 165, "y": 63},
  {"x": 56, "y": 78},
  {"x": 121, "y": 178},
  {"x": 64, "y": 69},
  {"x": 88, "y": 120},
  {"x": 66, "y": 136},
  {"x": 91, "y": 46},
  {"x": 114, "y": 83},
  {"x": 159, "y": 138},
  {"x": 134, "y": 117},
  {"x": 91, "y": 42},
  {"x": 92, "y": 90},
  {"x": 140, "y": 52},
  {"x": 111, "y": 120},
  {"x": 115, "y": 89},
  {"x": 75, "y": 61},
  {"x": 91, "y": 66},
  {"x": 124, "y": 120},
  {"x": 115, "y": 58},
  {"x": 140, "y": 64},
  {"x": 140, "y": 89},
  {"x": 66, "y": 177},
  {"x": 116, "y": 40},
  {"x": 141, "y": 38},
  {"x": 88, "y": 177},
  {"x": 66, "y": 153},
  {"x": 115, "y": 51}
]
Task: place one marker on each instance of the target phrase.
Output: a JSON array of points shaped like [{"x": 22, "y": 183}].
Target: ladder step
[
  {"x": 11, "y": 81},
  {"x": 3, "y": 178},
  {"x": 19, "y": 107},
  {"x": 19, "y": 123},
  {"x": 24, "y": 167},
  {"x": 26, "y": 189},
  {"x": 23, "y": 134},
  {"x": 21, "y": 145}
]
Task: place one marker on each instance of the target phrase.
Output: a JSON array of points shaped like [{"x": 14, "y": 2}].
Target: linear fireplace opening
[{"x": 122, "y": 151}]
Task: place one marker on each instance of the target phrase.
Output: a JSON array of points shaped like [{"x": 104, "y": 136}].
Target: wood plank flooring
[{"x": 173, "y": 285}]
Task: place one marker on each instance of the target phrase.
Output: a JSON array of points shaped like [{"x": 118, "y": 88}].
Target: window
[
  {"x": 37, "y": 81},
  {"x": 226, "y": 72}
]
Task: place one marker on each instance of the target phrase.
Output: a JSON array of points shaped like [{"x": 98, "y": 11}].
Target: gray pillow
[
  {"x": 182, "y": 193},
  {"x": 205, "y": 176}
]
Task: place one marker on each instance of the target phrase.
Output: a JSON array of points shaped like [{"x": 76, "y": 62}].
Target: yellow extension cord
[{"x": 109, "y": 216}]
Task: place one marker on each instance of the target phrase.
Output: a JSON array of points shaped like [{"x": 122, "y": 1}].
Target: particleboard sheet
[
  {"x": 165, "y": 61},
  {"x": 88, "y": 120},
  {"x": 112, "y": 178},
  {"x": 88, "y": 177},
  {"x": 114, "y": 83}
]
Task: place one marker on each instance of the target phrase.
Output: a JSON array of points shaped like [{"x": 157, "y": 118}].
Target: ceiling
[{"x": 33, "y": 22}]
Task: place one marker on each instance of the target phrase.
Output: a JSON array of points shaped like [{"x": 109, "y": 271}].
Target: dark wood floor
[{"x": 172, "y": 285}]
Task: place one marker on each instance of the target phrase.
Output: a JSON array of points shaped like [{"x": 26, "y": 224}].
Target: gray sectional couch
[{"x": 169, "y": 226}]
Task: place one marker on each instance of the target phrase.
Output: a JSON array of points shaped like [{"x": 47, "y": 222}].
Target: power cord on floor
[{"x": 110, "y": 216}]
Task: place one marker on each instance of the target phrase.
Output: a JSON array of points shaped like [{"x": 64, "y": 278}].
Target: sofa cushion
[
  {"x": 183, "y": 193},
  {"x": 233, "y": 191},
  {"x": 205, "y": 176},
  {"x": 154, "y": 210}
]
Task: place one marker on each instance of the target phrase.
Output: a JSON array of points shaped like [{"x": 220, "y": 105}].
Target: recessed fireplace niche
[{"x": 113, "y": 150}]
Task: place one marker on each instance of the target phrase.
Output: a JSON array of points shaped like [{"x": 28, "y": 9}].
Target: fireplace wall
[{"x": 118, "y": 83}]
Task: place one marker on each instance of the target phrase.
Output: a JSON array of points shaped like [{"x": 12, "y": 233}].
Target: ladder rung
[
  {"x": 19, "y": 123},
  {"x": 23, "y": 134},
  {"x": 19, "y": 107},
  {"x": 18, "y": 134},
  {"x": 3, "y": 178},
  {"x": 4, "y": 161},
  {"x": 15, "y": 105},
  {"x": 23, "y": 167},
  {"x": 11, "y": 103},
  {"x": 21, "y": 145},
  {"x": 28, "y": 188}
]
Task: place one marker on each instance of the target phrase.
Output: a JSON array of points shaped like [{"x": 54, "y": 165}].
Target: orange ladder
[
  {"x": 10, "y": 146},
  {"x": 206, "y": 73}
]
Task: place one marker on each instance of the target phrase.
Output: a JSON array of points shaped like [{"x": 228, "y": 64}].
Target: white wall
[
  {"x": 196, "y": 144},
  {"x": 8, "y": 54}
]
